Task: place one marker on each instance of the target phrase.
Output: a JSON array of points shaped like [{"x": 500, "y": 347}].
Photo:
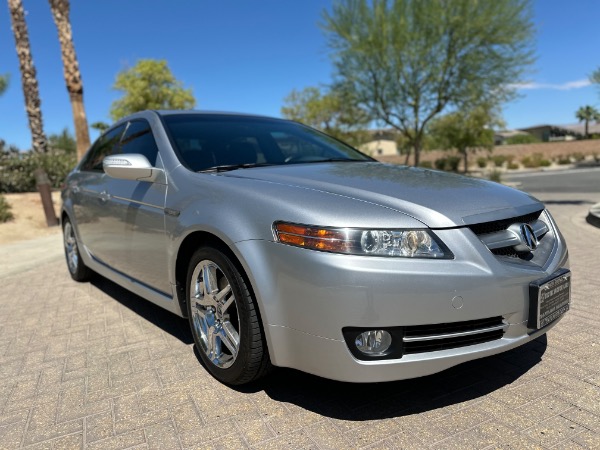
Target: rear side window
[
  {"x": 106, "y": 145},
  {"x": 138, "y": 138}
]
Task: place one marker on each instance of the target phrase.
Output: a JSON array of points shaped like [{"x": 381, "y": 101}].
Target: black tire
[
  {"x": 251, "y": 361},
  {"x": 77, "y": 269}
]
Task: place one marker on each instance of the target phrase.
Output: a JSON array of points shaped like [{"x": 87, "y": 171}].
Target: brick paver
[{"x": 93, "y": 366}]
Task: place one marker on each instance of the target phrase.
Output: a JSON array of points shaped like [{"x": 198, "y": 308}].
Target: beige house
[{"x": 383, "y": 143}]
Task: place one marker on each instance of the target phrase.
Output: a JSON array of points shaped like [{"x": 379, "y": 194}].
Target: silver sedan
[{"x": 286, "y": 247}]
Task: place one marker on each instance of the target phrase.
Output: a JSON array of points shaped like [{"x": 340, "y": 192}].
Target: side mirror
[{"x": 130, "y": 166}]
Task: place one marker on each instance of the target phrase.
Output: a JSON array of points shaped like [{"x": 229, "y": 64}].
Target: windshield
[{"x": 205, "y": 142}]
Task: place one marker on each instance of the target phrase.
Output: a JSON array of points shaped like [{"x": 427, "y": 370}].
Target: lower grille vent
[{"x": 429, "y": 338}]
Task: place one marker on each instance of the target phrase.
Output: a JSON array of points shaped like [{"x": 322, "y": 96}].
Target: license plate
[{"x": 549, "y": 299}]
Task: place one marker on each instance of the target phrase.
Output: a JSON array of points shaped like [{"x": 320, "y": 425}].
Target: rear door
[{"x": 96, "y": 226}]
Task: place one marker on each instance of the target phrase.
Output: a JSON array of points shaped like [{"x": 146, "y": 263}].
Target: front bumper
[{"x": 307, "y": 297}]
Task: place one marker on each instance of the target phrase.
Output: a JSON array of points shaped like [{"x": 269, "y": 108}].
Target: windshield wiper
[
  {"x": 343, "y": 160},
  {"x": 228, "y": 167},
  {"x": 330, "y": 160}
]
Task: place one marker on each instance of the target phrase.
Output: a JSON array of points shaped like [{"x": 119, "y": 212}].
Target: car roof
[{"x": 210, "y": 113}]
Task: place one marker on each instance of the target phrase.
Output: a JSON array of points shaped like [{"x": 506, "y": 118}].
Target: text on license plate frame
[{"x": 549, "y": 299}]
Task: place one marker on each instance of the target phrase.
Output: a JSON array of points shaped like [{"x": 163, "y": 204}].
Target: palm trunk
[
  {"x": 586, "y": 128},
  {"x": 28, "y": 77},
  {"x": 60, "y": 12},
  {"x": 466, "y": 159},
  {"x": 82, "y": 134}
]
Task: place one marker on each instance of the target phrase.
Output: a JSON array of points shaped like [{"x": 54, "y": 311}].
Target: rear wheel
[
  {"x": 224, "y": 320},
  {"x": 77, "y": 269}
]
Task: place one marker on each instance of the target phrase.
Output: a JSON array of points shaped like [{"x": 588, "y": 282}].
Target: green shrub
[
  {"x": 522, "y": 139},
  {"x": 440, "y": 164},
  {"x": 482, "y": 162},
  {"x": 513, "y": 166},
  {"x": 527, "y": 161},
  {"x": 5, "y": 213},
  {"x": 16, "y": 171},
  {"x": 498, "y": 160},
  {"x": 535, "y": 160},
  {"x": 448, "y": 163},
  {"x": 426, "y": 164},
  {"x": 562, "y": 160},
  {"x": 496, "y": 175}
]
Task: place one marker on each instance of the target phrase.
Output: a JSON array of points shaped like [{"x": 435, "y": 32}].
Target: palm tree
[
  {"x": 3, "y": 83},
  {"x": 60, "y": 11},
  {"x": 28, "y": 76},
  {"x": 586, "y": 114}
]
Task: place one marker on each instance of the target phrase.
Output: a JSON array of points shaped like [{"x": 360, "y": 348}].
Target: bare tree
[
  {"x": 60, "y": 12},
  {"x": 408, "y": 61},
  {"x": 28, "y": 77}
]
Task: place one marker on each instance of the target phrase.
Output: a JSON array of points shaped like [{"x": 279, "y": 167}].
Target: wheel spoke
[
  {"x": 200, "y": 312},
  {"x": 210, "y": 345},
  {"x": 201, "y": 328},
  {"x": 230, "y": 337},
  {"x": 209, "y": 279},
  {"x": 214, "y": 345},
  {"x": 222, "y": 298},
  {"x": 203, "y": 300}
]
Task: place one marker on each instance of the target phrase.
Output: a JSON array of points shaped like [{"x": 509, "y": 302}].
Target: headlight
[{"x": 402, "y": 243}]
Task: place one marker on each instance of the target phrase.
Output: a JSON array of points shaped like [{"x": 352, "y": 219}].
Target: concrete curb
[{"x": 593, "y": 217}]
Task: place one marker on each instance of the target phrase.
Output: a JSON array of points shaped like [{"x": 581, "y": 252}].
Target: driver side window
[
  {"x": 106, "y": 145},
  {"x": 139, "y": 139}
]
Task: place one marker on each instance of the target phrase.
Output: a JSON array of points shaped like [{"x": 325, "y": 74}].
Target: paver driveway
[{"x": 91, "y": 365}]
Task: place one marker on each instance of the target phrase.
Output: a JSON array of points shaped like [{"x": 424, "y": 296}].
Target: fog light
[{"x": 373, "y": 342}]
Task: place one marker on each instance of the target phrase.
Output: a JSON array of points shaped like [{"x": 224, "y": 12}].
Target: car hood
[{"x": 437, "y": 199}]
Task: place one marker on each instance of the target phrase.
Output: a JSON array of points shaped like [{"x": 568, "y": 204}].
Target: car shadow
[
  {"x": 358, "y": 402},
  {"x": 167, "y": 321},
  {"x": 373, "y": 401}
]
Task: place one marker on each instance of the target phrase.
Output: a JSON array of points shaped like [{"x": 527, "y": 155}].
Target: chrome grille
[
  {"x": 500, "y": 240},
  {"x": 501, "y": 225},
  {"x": 429, "y": 338}
]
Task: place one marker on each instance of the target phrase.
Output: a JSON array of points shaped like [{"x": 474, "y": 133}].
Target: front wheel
[
  {"x": 77, "y": 269},
  {"x": 224, "y": 320}
]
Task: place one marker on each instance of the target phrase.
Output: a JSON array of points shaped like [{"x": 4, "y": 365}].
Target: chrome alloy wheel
[
  {"x": 215, "y": 315},
  {"x": 71, "y": 247}
]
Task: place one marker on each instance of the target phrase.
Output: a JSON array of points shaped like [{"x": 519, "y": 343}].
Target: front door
[{"x": 139, "y": 207}]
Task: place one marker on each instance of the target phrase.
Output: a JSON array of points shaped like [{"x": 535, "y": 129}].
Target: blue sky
[{"x": 248, "y": 55}]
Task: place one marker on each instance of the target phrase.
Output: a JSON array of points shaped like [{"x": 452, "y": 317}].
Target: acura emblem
[
  {"x": 528, "y": 236},
  {"x": 524, "y": 238}
]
